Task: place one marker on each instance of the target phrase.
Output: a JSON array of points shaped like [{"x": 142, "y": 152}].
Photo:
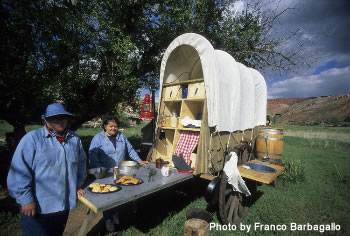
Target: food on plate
[
  {"x": 102, "y": 188},
  {"x": 126, "y": 179}
]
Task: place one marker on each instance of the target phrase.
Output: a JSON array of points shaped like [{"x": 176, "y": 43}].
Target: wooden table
[
  {"x": 99, "y": 203},
  {"x": 261, "y": 177}
]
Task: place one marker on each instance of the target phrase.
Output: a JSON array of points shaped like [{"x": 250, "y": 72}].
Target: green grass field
[{"x": 319, "y": 196}]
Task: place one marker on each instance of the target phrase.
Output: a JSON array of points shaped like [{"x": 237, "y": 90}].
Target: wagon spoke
[
  {"x": 236, "y": 219},
  {"x": 233, "y": 209},
  {"x": 229, "y": 202},
  {"x": 241, "y": 210},
  {"x": 228, "y": 191}
]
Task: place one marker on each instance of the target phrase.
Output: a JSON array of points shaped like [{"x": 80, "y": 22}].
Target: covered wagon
[
  {"x": 211, "y": 106},
  {"x": 212, "y": 115}
]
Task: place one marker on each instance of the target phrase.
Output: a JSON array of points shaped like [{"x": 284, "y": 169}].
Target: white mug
[{"x": 165, "y": 171}]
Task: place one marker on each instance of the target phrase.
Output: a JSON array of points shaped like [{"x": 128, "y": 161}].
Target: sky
[{"x": 325, "y": 26}]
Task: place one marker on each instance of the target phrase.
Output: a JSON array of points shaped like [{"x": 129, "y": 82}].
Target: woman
[
  {"x": 107, "y": 149},
  {"x": 47, "y": 171}
]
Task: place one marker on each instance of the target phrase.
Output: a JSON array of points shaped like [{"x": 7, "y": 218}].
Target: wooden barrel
[{"x": 269, "y": 143}]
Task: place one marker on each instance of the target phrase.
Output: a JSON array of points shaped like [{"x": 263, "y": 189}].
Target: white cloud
[{"x": 331, "y": 82}]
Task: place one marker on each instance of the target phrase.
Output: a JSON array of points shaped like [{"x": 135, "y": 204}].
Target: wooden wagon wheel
[{"x": 233, "y": 206}]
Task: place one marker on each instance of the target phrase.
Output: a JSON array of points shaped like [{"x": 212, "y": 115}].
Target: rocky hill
[{"x": 329, "y": 110}]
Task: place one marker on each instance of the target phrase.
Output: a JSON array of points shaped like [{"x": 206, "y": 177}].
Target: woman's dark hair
[{"x": 108, "y": 119}]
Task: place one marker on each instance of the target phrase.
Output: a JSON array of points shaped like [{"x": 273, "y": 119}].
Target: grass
[
  {"x": 318, "y": 132},
  {"x": 315, "y": 191},
  {"x": 10, "y": 223}
]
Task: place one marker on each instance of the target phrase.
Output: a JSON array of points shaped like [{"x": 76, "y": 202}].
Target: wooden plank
[
  {"x": 188, "y": 129},
  {"x": 207, "y": 176},
  {"x": 196, "y": 90},
  {"x": 172, "y": 92},
  {"x": 184, "y": 99},
  {"x": 88, "y": 204},
  {"x": 184, "y": 82},
  {"x": 90, "y": 219},
  {"x": 261, "y": 177}
]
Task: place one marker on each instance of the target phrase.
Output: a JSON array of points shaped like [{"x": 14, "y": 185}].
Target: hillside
[{"x": 331, "y": 110}]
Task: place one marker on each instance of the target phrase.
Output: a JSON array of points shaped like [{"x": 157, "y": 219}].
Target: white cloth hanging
[{"x": 233, "y": 176}]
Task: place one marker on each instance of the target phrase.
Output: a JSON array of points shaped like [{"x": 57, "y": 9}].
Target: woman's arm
[{"x": 20, "y": 177}]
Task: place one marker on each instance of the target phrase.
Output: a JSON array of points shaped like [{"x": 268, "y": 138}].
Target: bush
[
  {"x": 334, "y": 120},
  {"x": 347, "y": 118},
  {"x": 294, "y": 171}
]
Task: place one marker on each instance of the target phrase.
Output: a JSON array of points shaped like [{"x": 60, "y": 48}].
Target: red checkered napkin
[{"x": 187, "y": 143}]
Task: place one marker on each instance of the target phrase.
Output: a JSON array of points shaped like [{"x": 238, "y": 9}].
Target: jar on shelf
[{"x": 173, "y": 120}]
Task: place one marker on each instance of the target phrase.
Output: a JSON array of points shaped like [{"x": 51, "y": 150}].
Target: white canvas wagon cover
[{"x": 236, "y": 95}]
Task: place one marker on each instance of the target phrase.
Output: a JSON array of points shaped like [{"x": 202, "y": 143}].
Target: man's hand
[
  {"x": 144, "y": 163},
  {"x": 29, "y": 209},
  {"x": 80, "y": 192}
]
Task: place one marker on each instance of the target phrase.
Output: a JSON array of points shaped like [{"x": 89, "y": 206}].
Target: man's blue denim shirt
[
  {"x": 47, "y": 172},
  {"x": 103, "y": 154}
]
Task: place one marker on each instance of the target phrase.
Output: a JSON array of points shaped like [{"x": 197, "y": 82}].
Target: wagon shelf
[
  {"x": 184, "y": 99},
  {"x": 183, "y": 82},
  {"x": 188, "y": 129}
]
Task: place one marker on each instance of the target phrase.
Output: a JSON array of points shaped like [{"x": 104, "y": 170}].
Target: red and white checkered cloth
[{"x": 186, "y": 144}]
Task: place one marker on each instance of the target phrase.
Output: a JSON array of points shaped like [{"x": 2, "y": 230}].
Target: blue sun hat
[{"x": 55, "y": 109}]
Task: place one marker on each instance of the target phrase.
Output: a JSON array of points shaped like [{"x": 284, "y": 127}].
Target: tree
[
  {"x": 92, "y": 54},
  {"x": 57, "y": 52}
]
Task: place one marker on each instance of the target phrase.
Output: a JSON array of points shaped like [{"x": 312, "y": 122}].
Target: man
[{"x": 47, "y": 171}]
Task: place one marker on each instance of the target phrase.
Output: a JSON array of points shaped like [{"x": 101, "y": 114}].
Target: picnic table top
[{"x": 99, "y": 202}]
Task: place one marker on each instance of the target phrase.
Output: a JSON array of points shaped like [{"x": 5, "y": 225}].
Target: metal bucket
[
  {"x": 128, "y": 168},
  {"x": 269, "y": 144}
]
